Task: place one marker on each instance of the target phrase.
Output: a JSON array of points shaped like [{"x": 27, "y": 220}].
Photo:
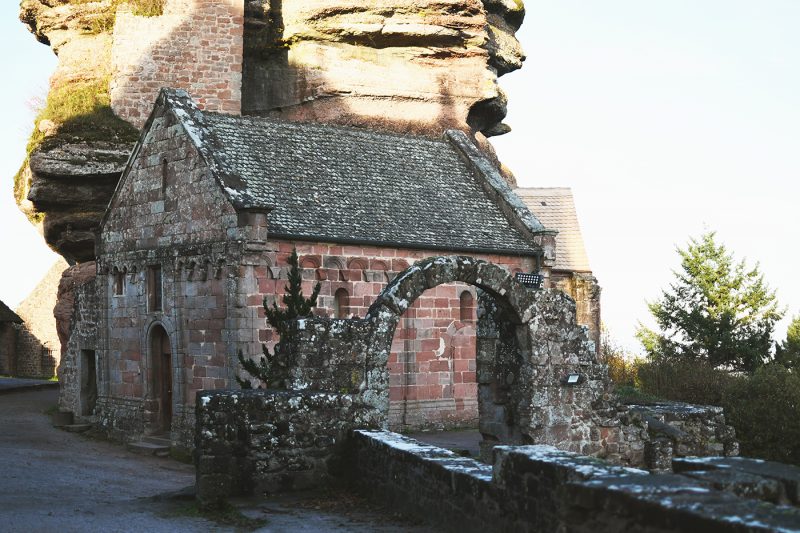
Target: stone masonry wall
[
  {"x": 38, "y": 345},
  {"x": 196, "y": 45},
  {"x": 583, "y": 288},
  {"x": 33, "y": 359},
  {"x": 682, "y": 430},
  {"x": 83, "y": 342},
  {"x": 540, "y": 488},
  {"x": 170, "y": 214},
  {"x": 432, "y": 366},
  {"x": 266, "y": 441},
  {"x": 8, "y": 339}
]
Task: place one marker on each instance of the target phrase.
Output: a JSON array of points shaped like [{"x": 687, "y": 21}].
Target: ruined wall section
[
  {"x": 432, "y": 366},
  {"x": 584, "y": 289},
  {"x": 196, "y": 45}
]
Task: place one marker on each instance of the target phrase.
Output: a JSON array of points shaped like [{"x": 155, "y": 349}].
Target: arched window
[
  {"x": 341, "y": 303},
  {"x": 467, "y": 306}
]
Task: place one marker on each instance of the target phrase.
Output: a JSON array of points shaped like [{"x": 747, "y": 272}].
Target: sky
[{"x": 667, "y": 119}]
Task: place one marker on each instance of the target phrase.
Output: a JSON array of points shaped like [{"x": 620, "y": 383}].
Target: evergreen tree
[
  {"x": 787, "y": 353},
  {"x": 297, "y": 306},
  {"x": 717, "y": 310}
]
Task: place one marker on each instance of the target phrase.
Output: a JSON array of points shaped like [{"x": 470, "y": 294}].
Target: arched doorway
[{"x": 161, "y": 378}]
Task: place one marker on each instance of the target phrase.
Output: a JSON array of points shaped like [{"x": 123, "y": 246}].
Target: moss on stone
[
  {"x": 79, "y": 112},
  {"x": 103, "y": 20}
]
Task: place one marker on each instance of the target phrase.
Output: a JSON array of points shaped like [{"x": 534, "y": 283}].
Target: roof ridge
[{"x": 433, "y": 137}]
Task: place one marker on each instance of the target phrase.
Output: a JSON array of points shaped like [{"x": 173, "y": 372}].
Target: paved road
[
  {"x": 17, "y": 384},
  {"x": 51, "y": 480}
]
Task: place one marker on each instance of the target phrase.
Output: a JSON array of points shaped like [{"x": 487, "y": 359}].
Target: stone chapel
[{"x": 198, "y": 233}]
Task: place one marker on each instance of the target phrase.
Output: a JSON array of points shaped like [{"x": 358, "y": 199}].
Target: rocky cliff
[{"x": 406, "y": 65}]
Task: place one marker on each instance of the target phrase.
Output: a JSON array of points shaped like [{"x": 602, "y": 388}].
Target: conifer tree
[
  {"x": 787, "y": 353},
  {"x": 718, "y": 310},
  {"x": 297, "y": 306}
]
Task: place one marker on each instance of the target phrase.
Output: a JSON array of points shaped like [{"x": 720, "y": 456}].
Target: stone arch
[
  {"x": 310, "y": 261},
  {"x": 429, "y": 273},
  {"x": 503, "y": 343},
  {"x": 357, "y": 263}
]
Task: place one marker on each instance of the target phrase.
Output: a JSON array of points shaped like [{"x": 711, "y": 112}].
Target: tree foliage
[
  {"x": 297, "y": 306},
  {"x": 718, "y": 310},
  {"x": 787, "y": 353}
]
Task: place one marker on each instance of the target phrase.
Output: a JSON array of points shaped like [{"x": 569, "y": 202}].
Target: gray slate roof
[{"x": 340, "y": 184}]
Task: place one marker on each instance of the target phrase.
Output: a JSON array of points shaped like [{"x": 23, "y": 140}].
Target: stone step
[
  {"x": 77, "y": 428},
  {"x": 148, "y": 448},
  {"x": 158, "y": 439}
]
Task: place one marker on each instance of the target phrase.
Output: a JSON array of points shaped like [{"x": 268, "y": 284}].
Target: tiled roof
[
  {"x": 341, "y": 184},
  {"x": 555, "y": 208},
  {"x": 7, "y": 315}
]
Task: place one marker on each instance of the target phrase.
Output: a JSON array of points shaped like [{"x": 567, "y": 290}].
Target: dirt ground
[{"x": 53, "y": 480}]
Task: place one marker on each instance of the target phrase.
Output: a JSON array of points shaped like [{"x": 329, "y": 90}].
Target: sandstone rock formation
[
  {"x": 78, "y": 148},
  {"x": 416, "y": 66},
  {"x": 386, "y": 63}
]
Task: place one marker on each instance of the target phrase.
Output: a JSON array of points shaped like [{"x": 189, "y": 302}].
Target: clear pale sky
[{"x": 665, "y": 118}]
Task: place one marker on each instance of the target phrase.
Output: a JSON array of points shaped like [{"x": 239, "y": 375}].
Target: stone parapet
[{"x": 540, "y": 488}]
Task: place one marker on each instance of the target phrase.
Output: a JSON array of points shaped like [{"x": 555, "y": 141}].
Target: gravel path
[{"x": 58, "y": 481}]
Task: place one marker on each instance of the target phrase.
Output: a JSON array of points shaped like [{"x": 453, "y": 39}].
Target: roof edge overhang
[
  {"x": 535, "y": 252},
  {"x": 498, "y": 190}
]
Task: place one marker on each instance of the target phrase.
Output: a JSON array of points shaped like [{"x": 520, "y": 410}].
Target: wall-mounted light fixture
[{"x": 532, "y": 281}]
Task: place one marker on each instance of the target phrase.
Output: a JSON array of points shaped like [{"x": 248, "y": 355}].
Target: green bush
[
  {"x": 83, "y": 110},
  {"x": 765, "y": 410},
  {"x": 763, "y": 407},
  {"x": 622, "y": 371},
  {"x": 684, "y": 381}
]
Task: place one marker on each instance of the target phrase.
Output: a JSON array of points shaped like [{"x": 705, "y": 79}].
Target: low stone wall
[
  {"x": 540, "y": 488},
  {"x": 267, "y": 441},
  {"x": 675, "y": 429}
]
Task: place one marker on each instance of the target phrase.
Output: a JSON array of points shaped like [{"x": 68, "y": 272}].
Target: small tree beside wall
[{"x": 268, "y": 369}]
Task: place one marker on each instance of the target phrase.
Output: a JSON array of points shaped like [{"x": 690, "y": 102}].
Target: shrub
[
  {"x": 622, "y": 371},
  {"x": 763, "y": 407},
  {"x": 297, "y": 306},
  {"x": 765, "y": 410},
  {"x": 684, "y": 381}
]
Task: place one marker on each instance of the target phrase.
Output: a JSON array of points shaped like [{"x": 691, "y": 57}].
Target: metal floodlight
[
  {"x": 532, "y": 281},
  {"x": 570, "y": 380}
]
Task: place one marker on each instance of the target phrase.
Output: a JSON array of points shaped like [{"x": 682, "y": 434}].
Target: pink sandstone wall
[
  {"x": 196, "y": 45},
  {"x": 432, "y": 364}
]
